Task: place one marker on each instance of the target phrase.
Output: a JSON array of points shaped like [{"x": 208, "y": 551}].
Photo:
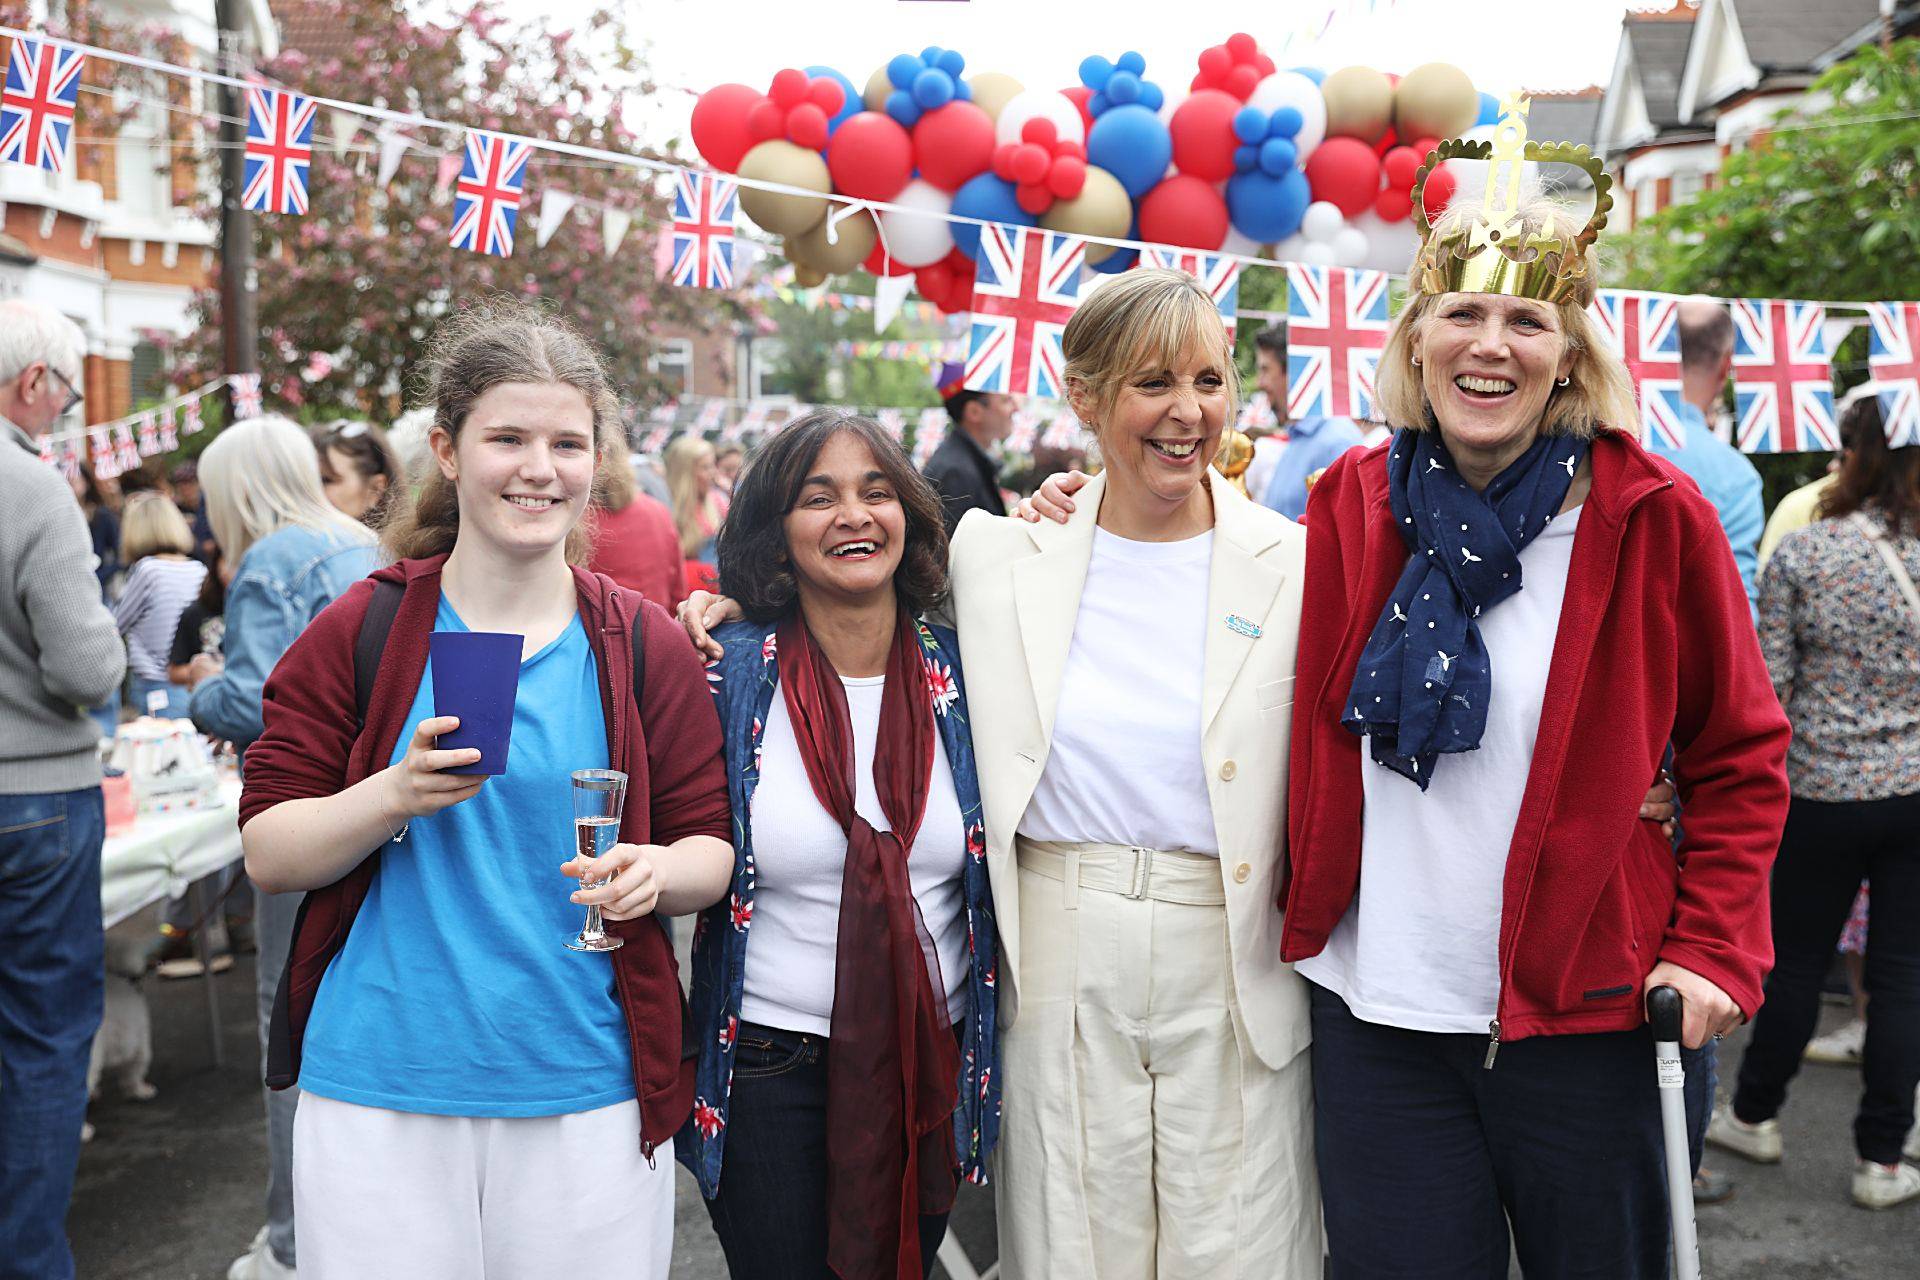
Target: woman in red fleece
[
  {"x": 1512, "y": 611},
  {"x": 476, "y": 1099}
]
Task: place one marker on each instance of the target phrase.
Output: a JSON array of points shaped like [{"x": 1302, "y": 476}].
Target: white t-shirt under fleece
[
  {"x": 1125, "y": 765},
  {"x": 800, "y": 859},
  {"x": 1419, "y": 947}
]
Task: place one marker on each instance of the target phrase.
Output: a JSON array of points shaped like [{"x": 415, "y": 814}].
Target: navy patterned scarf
[{"x": 1422, "y": 684}]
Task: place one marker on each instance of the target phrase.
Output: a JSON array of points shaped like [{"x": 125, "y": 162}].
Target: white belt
[{"x": 1163, "y": 875}]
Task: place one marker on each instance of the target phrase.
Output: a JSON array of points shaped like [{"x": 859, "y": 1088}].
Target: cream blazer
[{"x": 1016, "y": 596}]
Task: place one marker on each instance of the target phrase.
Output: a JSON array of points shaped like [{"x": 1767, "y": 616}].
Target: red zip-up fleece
[
  {"x": 670, "y": 751},
  {"x": 1655, "y": 644}
]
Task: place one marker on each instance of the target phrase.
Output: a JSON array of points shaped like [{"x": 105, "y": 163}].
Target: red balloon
[
  {"x": 934, "y": 281},
  {"x": 870, "y": 156},
  {"x": 1241, "y": 80},
  {"x": 1242, "y": 47},
  {"x": 789, "y": 88},
  {"x": 1030, "y": 163},
  {"x": 1203, "y": 137},
  {"x": 1388, "y": 141},
  {"x": 1184, "y": 210},
  {"x": 1033, "y": 197},
  {"x": 1439, "y": 191},
  {"x": 807, "y": 126},
  {"x": 765, "y": 120},
  {"x": 720, "y": 124},
  {"x": 827, "y": 95},
  {"x": 1081, "y": 97},
  {"x": 1345, "y": 171},
  {"x": 1394, "y": 204},
  {"x": 879, "y": 262},
  {"x": 953, "y": 143},
  {"x": 1215, "y": 62},
  {"x": 1067, "y": 177},
  {"x": 1399, "y": 165},
  {"x": 1041, "y": 131}
]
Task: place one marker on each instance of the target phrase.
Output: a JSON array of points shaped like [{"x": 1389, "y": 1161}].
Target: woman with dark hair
[
  {"x": 358, "y": 468},
  {"x": 1840, "y": 627},
  {"x": 847, "y": 1058}
]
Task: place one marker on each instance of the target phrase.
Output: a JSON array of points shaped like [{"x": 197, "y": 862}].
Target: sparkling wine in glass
[{"x": 598, "y": 797}]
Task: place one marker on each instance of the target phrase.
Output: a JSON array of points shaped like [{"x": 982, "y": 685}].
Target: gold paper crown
[{"x": 1493, "y": 253}]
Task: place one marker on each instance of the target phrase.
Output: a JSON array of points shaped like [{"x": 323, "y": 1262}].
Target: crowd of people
[{"x": 1281, "y": 892}]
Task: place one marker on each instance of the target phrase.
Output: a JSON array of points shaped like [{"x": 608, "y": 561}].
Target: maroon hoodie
[{"x": 671, "y": 752}]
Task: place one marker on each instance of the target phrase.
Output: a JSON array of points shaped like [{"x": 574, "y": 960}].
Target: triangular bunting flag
[
  {"x": 345, "y": 127},
  {"x": 554, "y": 207},
  {"x": 393, "y": 148},
  {"x": 889, "y": 293},
  {"x": 613, "y": 228}
]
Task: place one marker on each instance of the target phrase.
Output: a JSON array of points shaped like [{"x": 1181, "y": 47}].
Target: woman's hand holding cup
[{"x": 418, "y": 786}]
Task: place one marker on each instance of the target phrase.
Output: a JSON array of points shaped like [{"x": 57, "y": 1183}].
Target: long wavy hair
[
  {"x": 261, "y": 475},
  {"x": 1872, "y": 475}
]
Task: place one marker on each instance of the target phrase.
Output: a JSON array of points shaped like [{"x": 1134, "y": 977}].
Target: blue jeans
[
  {"x": 1432, "y": 1165},
  {"x": 51, "y": 991},
  {"x": 177, "y": 697},
  {"x": 771, "y": 1211}
]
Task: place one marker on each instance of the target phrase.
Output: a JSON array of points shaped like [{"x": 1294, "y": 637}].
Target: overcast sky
[{"x": 1549, "y": 44}]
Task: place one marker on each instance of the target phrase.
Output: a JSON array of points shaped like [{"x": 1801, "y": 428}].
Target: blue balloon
[
  {"x": 931, "y": 54},
  {"x": 951, "y": 61},
  {"x": 1245, "y": 157},
  {"x": 1152, "y": 96},
  {"x": 1286, "y": 123},
  {"x": 902, "y": 68},
  {"x": 1489, "y": 110},
  {"x": 963, "y": 91},
  {"x": 1266, "y": 208},
  {"x": 1094, "y": 71},
  {"x": 901, "y": 107},
  {"x": 852, "y": 106},
  {"x": 1120, "y": 259},
  {"x": 1314, "y": 74},
  {"x": 1250, "y": 126},
  {"x": 1123, "y": 87},
  {"x": 1131, "y": 143},
  {"x": 1277, "y": 155},
  {"x": 932, "y": 88},
  {"x": 989, "y": 198},
  {"x": 1134, "y": 62}
]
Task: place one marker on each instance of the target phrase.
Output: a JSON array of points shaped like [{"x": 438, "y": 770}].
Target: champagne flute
[{"x": 598, "y": 797}]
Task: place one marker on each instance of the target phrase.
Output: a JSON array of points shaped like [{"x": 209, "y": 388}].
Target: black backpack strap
[
  {"x": 639, "y": 657},
  {"x": 371, "y": 643}
]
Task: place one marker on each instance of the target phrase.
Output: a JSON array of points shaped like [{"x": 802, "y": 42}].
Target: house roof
[
  {"x": 1790, "y": 35},
  {"x": 1566, "y": 117},
  {"x": 1659, "y": 43}
]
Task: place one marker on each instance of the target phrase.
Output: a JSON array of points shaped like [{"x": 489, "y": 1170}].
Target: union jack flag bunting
[
  {"x": 1782, "y": 377},
  {"x": 1025, "y": 289},
  {"x": 126, "y": 450},
  {"x": 1894, "y": 361},
  {"x": 713, "y": 414},
  {"x": 1218, "y": 275},
  {"x": 169, "y": 434},
  {"x": 100, "y": 445},
  {"x": 704, "y": 206},
  {"x": 1063, "y": 432},
  {"x": 148, "y": 433},
  {"x": 1644, "y": 331},
  {"x": 190, "y": 417},
  {"x": 246, "y": 395},
  {"x": 36, "y": 108},
  {"x": 486, "y": 198},
  {"x": 279, "y": 151},
  {"x": 929, "y": 434},
  {"x": 1336, "y": 325},
  {"x": 893, "y": 422}
]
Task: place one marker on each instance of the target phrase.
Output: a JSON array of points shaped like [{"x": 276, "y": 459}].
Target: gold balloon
[
  {"x": 877, "y": 90},
  {"x": 1235, "y": 456},
  {"x": 992, "y": 89},
  {"x": 1434, "y": 101},
  {"x": 856, "y": 236},
  {"x": 1359, "y": 104},
  {"x": 1101, "y": 209},
  {"x": 778, "y": 160},
  {"x": 808, "y": 277}
]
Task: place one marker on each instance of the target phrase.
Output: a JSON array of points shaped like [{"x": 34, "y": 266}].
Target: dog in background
[{"x": 123, "y": 1047}]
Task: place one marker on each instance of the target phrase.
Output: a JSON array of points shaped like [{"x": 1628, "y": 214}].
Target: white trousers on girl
[
  {"x": 390, "y": 1195},
  {"x": 1141, "y": 1136}
]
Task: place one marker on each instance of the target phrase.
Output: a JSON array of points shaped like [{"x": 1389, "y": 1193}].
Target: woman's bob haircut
[
  {"x": 755, "y": 567},
  {"x": 1141, "y": 319},
  {"x": 1599, "y": 393}
]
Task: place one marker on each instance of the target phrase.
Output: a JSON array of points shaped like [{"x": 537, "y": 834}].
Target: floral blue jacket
[{"x": 744, "y": 681}]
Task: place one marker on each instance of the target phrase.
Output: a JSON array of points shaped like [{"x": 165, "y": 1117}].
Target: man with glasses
[{"x": 60, "y": 653}]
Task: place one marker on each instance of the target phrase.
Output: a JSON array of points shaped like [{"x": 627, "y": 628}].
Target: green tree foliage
[{"x": 1826, "y": 207}]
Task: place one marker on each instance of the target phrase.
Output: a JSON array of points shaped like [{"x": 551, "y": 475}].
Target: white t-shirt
[
  {"x": 800, "y": 858},
  {"x": 1419, "y": 947},
  {"x": 1125, "y": 767}
]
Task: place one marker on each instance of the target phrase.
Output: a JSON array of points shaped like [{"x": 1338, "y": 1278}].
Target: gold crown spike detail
[{"x": 1492, "y": 254}]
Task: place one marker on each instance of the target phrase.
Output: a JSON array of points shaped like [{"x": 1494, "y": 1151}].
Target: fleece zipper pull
[{"x": 1493, "y": 1044}]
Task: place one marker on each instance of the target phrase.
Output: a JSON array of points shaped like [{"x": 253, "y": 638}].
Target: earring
[
  {"x": 1564, "y": 381},
  {"x": 1416, "y": 362}
]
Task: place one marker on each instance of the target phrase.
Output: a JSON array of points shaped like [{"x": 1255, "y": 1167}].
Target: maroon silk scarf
[{"x": 892, "y": 1062}]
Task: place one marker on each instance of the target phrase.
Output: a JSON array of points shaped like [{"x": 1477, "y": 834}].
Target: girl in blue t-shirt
[{"x": 478, "y": 1100}]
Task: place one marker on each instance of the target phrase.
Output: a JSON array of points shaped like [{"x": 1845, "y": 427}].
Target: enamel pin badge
[{"x": 1240, "y": 626}]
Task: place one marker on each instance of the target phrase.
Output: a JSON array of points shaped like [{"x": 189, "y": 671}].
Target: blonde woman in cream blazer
[{"x": 1157, "y": 1117}]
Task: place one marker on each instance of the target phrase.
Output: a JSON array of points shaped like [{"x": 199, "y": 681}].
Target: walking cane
[{"x": 1664, "y": 1016}]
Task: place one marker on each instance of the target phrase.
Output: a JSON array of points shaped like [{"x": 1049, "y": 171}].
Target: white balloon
[
  {"x": 1039, "y": 104},
  {"x": 1316, "y": 253},
  {"x": 1390, "y": 245},
  {"x": 1322, "y": 221},
  {"x": 1350, "y": 247},
  {"x": 1290, "y": 249},
  {"x": 916, "y": 241},
  {"x": 1291, "y": 89},
  {"x": 1241, "y": 244},
  {"x": 1173, "y": 96}
]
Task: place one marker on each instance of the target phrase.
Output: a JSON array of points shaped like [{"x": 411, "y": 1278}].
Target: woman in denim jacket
[
  {"x": 833, "y": 536},
  {"x": 293, "y": 553}
]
